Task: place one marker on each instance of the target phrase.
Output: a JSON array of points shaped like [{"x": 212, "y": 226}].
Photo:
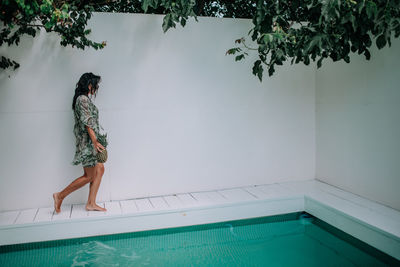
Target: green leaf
[
  {"x": 45, "y": 9},
  {"x": 145, "y": 5},
  {"x": 268, "y": 38},
  {"x": 183, "y": 22},
  {"x": 353, "y": 22},
  {"x": 361, "y": 6},
  {"x": 271, "y": 71},
  {"x": 65, "y": 7},
  {"x": 319, "y": 62},
  {"x": 48, "y": 25},
  {"x": 306, "y": 60},
  {"x": 232, "y": 51},
  {"x": 316, "y": 41},
  {"x": 371, "y": 9},
  {"x": 258, "y": 69},
  {"x": 280, "y": 55},
  {"x": 168, "y": 22},
  {"x": 367, "y": 55},
  {"x": 260, "y": 73},
  {"x": 64, "y": 14},
  {"x": 381, "y": 41},
  {"x": 239, "y": 57}
]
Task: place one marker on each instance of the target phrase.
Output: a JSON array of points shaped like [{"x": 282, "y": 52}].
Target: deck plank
[
  {"x": 188, "y": 200},
  {"x": 26, "y": 216},
  {"x": 64, "y": 214},
  {"x": 44, "y": 214},
  {"x": 159, "y": 203},
  {"x": 96, "y": 213},
  {"x": 173, "y": 201},
  {"x": 8, "y": 217},
  {"x": 236, "y": 195},
  {"x": 299, "y": 187},
  {"x": 216, "y": 197},
  {"x": 113, "y": 208},
  {"x": 128, "y": 206},
  {"x": 202, "y": 198},
  {"x": 79, "y": 211},
  {"x": 256, "y": 191},
  {"x": 277, "y": 191},
  {"x": 144, "y": 204}
]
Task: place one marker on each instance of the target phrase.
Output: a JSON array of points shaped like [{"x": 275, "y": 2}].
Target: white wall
[
  {"x": 358, "y": 125},
  {"x": 181, "y": 116}
]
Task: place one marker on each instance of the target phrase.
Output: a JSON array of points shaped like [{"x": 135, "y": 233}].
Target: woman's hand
[{"x": 98, "y": 146}]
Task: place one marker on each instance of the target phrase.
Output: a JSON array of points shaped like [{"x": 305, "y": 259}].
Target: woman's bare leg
[
  {"x": 94, "y": 188},
  {"x": 89, "y": 174}
]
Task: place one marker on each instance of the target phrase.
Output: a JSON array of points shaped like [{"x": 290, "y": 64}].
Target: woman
[{"x": 89, "y": 142}]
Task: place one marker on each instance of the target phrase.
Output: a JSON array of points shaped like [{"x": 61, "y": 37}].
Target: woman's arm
[{"x": 92, "y": 136}]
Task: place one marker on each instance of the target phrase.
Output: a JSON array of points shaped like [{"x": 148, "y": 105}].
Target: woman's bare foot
[
  {"x": 95, "y": 207},
  {"x": 57, "y": 202}
]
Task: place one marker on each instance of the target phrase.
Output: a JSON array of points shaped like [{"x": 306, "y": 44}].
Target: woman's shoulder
[{"x": 84, "y": 99}]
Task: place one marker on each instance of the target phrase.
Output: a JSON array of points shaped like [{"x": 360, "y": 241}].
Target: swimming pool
[{"x": 295, "y": 239}]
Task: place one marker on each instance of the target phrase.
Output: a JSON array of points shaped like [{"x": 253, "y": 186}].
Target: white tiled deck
[{"x": 369, "y": 221}]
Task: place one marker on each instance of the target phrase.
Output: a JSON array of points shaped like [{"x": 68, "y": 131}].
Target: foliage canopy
[{"x": 299, "y": 31}]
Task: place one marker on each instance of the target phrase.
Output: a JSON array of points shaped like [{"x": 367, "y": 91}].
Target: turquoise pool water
[{"x": 286, "y": 240}]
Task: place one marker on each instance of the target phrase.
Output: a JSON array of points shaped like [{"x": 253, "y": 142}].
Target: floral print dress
[{"x": 86, "y": 114}]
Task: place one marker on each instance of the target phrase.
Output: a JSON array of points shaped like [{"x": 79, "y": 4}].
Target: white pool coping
[{"x": 371, "y": 222}]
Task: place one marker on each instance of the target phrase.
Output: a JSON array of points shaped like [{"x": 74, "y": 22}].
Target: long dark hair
[{"x": 82, "y": 87}]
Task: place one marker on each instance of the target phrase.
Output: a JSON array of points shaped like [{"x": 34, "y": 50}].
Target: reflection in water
[
  {"x": 96, "y": 253},
  {"x": 306, "y": 219}
]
